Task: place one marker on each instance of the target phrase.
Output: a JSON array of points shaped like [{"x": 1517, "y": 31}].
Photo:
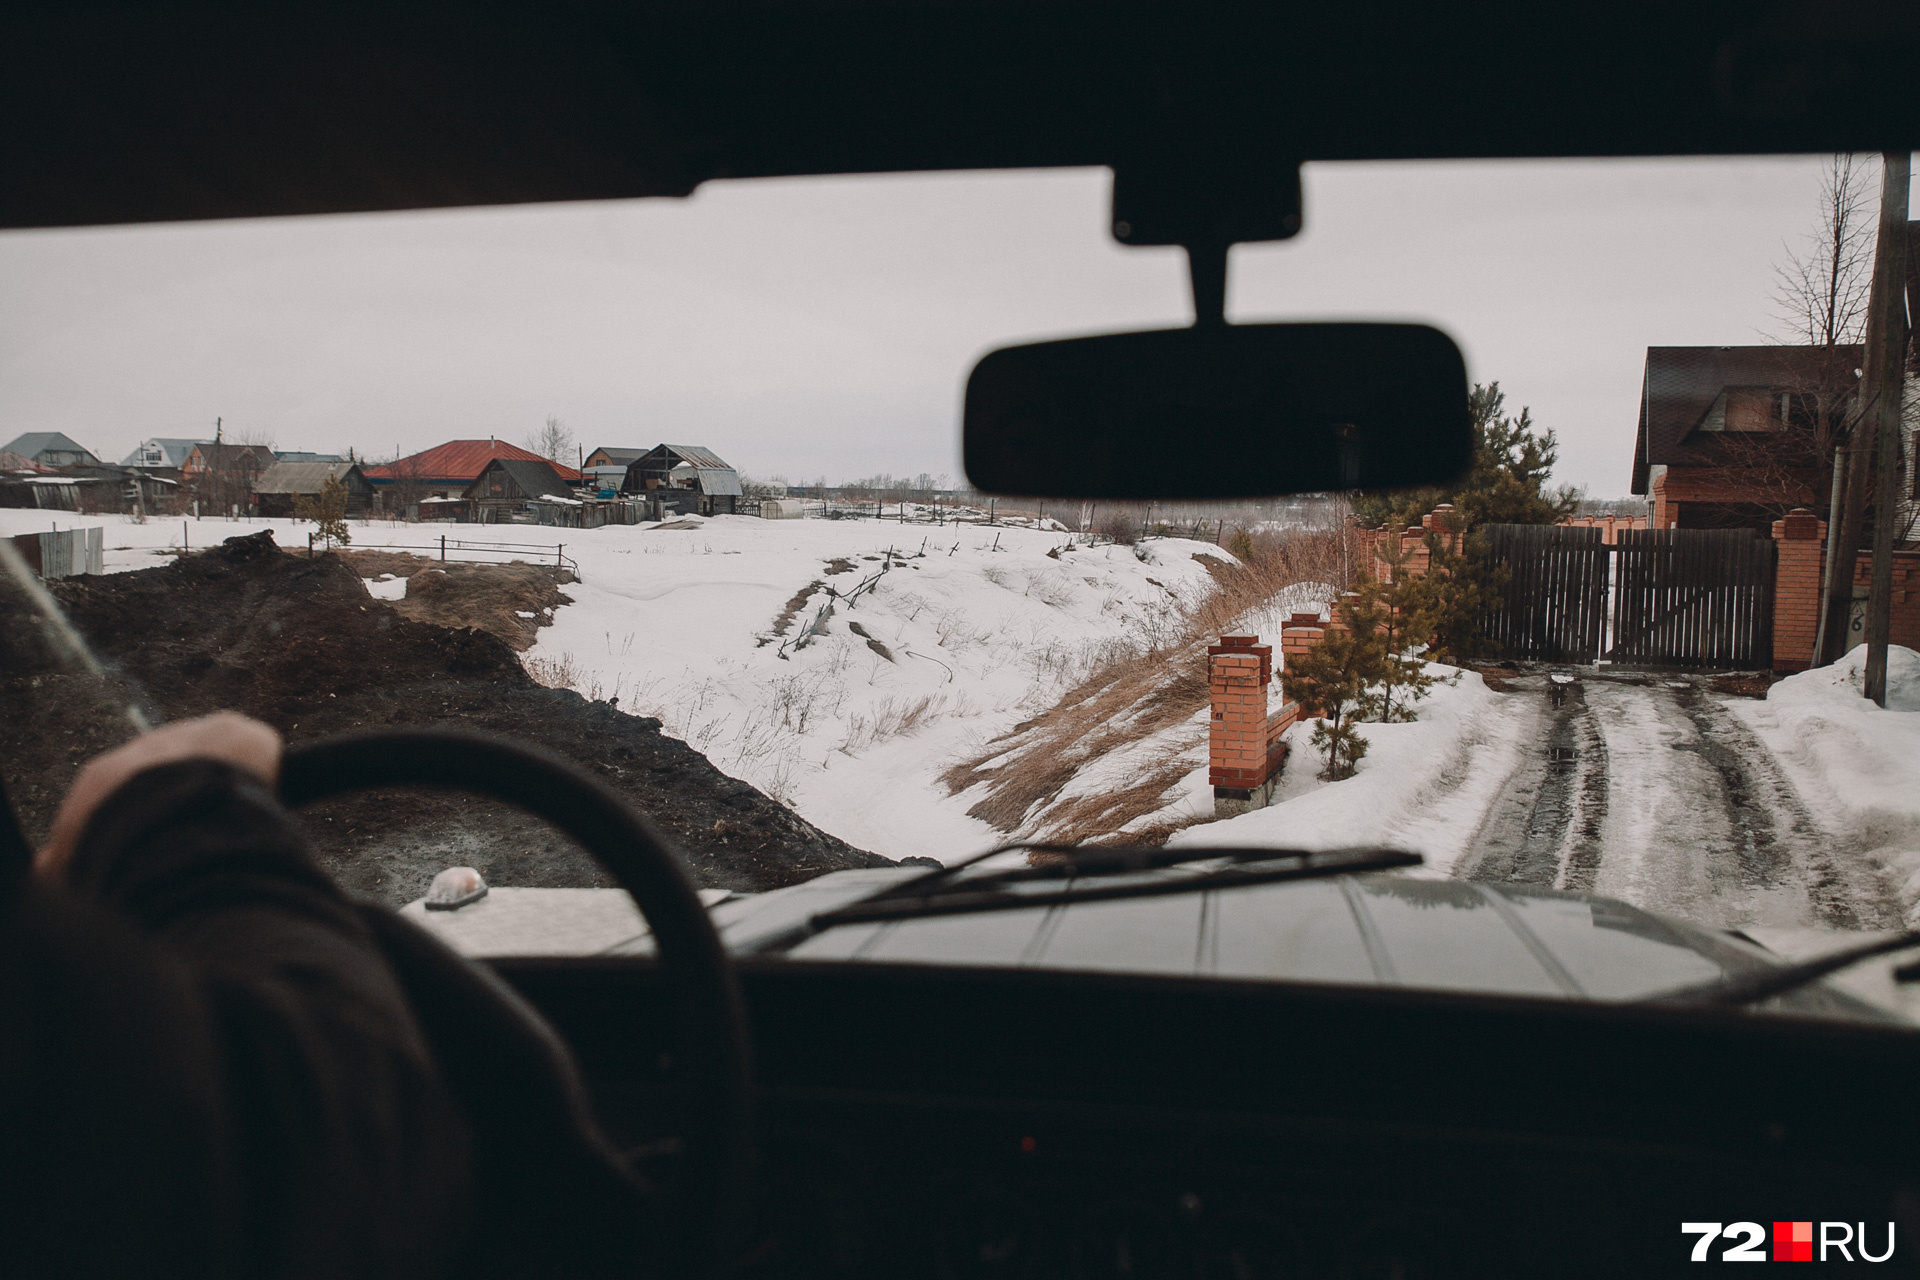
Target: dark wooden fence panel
[
  {"x": 1660, "y": 597},
  {"x": 1553, "y": 605},
  {"x": 1693, "y": 598}
]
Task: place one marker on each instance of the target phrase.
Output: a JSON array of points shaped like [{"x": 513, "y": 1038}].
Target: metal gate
[{"x": 1657, "y": 598}]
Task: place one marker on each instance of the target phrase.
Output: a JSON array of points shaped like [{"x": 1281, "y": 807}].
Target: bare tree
[
  {"x": 408, "y": 487},
  {"x": 1821, "y": 294},
  {"x": 554, "y": 442},
  {"x": 1820, "y": 305}
]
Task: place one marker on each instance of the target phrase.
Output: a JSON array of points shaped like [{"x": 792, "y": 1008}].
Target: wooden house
[{"x": 509, "y": 484}]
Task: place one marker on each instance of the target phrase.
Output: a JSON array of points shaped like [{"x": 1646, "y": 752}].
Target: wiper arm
[
  {"x": 1750, "y": 987},
  {"x": 946, "y": 892}
]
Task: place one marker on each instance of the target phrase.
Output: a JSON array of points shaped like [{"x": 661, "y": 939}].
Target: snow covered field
[
  {"x": 962, "y": 632},
  {"x": 1799, "y": 810}
]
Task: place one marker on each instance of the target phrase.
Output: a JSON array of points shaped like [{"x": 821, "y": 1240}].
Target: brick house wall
[{"x": 1723, "y": 487}]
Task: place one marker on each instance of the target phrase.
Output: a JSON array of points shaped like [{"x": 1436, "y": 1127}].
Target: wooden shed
[
  {"x": 281, "y": 486},
  {"x": 684, "y": 478}
]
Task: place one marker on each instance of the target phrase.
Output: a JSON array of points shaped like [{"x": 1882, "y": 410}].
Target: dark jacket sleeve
[{"x": 351, "y": 1157}]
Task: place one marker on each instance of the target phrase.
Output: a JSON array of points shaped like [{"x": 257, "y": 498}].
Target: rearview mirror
[{"x": 1222, "y": 411}]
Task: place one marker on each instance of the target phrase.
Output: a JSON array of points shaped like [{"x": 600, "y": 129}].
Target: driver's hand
[{"x": 233, "y": 739}]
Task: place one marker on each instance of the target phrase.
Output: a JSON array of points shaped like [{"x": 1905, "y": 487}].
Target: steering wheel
[{"x": 710, "y": 1016}]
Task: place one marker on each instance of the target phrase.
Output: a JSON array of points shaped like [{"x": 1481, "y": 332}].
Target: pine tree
[
  {"x": 328, "y": 510},
  {"x": 1406, "y": 603},
  {"x": 1506, "y": 480},
  {"x": 1336, "y": 676}
]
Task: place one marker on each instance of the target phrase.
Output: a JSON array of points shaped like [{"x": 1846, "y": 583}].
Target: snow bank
[
  {"x": 1856, "y": 766},
  {"x": 1844, "y": 683},
  {"x": 1423, "y": 786}
]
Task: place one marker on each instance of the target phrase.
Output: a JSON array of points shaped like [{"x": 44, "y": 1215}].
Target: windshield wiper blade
[
  {"x": 1087, "y": 875},
  {"x": 1748, "y": 988}
]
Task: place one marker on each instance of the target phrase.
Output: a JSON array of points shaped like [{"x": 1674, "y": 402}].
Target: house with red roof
[{"x": 447, "y": 470}]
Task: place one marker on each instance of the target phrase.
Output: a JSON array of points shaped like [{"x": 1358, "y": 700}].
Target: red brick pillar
[
  {"x": 1238, "y": 671},
  {"x": 1802, "y": 540}
]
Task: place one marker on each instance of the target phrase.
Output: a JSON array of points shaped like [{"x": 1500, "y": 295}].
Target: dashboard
[{"x": 958, "y": 1122}]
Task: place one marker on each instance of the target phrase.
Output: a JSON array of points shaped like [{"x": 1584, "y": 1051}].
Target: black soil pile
[{"x": 298, "y": 643}]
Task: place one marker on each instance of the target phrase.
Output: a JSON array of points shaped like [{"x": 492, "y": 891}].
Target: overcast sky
[{"x": 826, "y": 326}]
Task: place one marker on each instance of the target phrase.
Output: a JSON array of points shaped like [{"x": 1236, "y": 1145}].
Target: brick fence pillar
[
  {"x": 1802, "y": 539},
  {"x": 1239, "y": 669}
]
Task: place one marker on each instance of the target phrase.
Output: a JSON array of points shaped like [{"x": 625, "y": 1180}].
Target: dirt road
[{"x": 1644, "y": 787}]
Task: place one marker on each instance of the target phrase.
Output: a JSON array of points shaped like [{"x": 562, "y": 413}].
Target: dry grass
[
  {"x": 555, "y": 673},
  {"x": 1129, "y": 697},
  {"x": 792, "y": 609},
  {"x": 490, "y": 597},
  {"x": 891, "y": 718}
]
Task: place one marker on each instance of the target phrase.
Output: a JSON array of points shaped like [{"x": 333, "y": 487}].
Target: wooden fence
[{"x": 1657, "y": 597}]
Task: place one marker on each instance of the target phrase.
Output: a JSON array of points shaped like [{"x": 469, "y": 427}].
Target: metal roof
[
  {"x": 174, "y": 449},
  {"x": 712, "y": 473},
  {"x": 34, "y": 443},
  {"x": 459, "y": 462},
  {"x": 696, "y": 455},
  {"x": 300, "y": 477},
  {"x": 716, "y": 480}
]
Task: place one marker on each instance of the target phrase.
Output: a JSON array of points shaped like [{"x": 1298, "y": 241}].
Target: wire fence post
[{"x": 443, "y": 548}]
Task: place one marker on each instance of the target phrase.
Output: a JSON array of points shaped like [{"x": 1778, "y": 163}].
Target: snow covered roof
[{"x": 14, "y": 462}]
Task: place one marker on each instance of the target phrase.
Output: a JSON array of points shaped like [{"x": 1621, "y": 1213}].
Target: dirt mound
[
  {"x": 299, "y": 644},
  {"x": 512, "y": 601}
]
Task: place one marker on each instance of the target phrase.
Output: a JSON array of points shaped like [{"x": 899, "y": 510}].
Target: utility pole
[
  {"x": 1822, "y": 644},
  {"x": 1881, "y": 395}
]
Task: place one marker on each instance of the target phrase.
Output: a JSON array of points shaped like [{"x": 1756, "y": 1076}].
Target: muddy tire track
[
  {"x": 1646, "y": 787},
  {"x": 1776, "y": 839},
  {"x": 1545, "y": 828}
]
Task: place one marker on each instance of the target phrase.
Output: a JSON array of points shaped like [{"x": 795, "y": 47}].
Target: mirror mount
[
  {"x": 1207, "y": 268},
  {"x": 1206, "y": 205}
]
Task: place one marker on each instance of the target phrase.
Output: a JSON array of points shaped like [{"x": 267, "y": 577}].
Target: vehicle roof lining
[{"x": 212, "y": 109}]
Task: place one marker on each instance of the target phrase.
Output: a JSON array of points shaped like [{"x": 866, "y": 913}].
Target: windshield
[{"x": 672, "y": 488}]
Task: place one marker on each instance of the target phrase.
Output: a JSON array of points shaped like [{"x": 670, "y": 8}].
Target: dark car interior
[{"x": 906, "y": 1120}]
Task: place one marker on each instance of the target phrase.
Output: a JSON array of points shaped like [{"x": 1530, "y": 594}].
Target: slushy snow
[{"x": 1855, "y": 765}]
